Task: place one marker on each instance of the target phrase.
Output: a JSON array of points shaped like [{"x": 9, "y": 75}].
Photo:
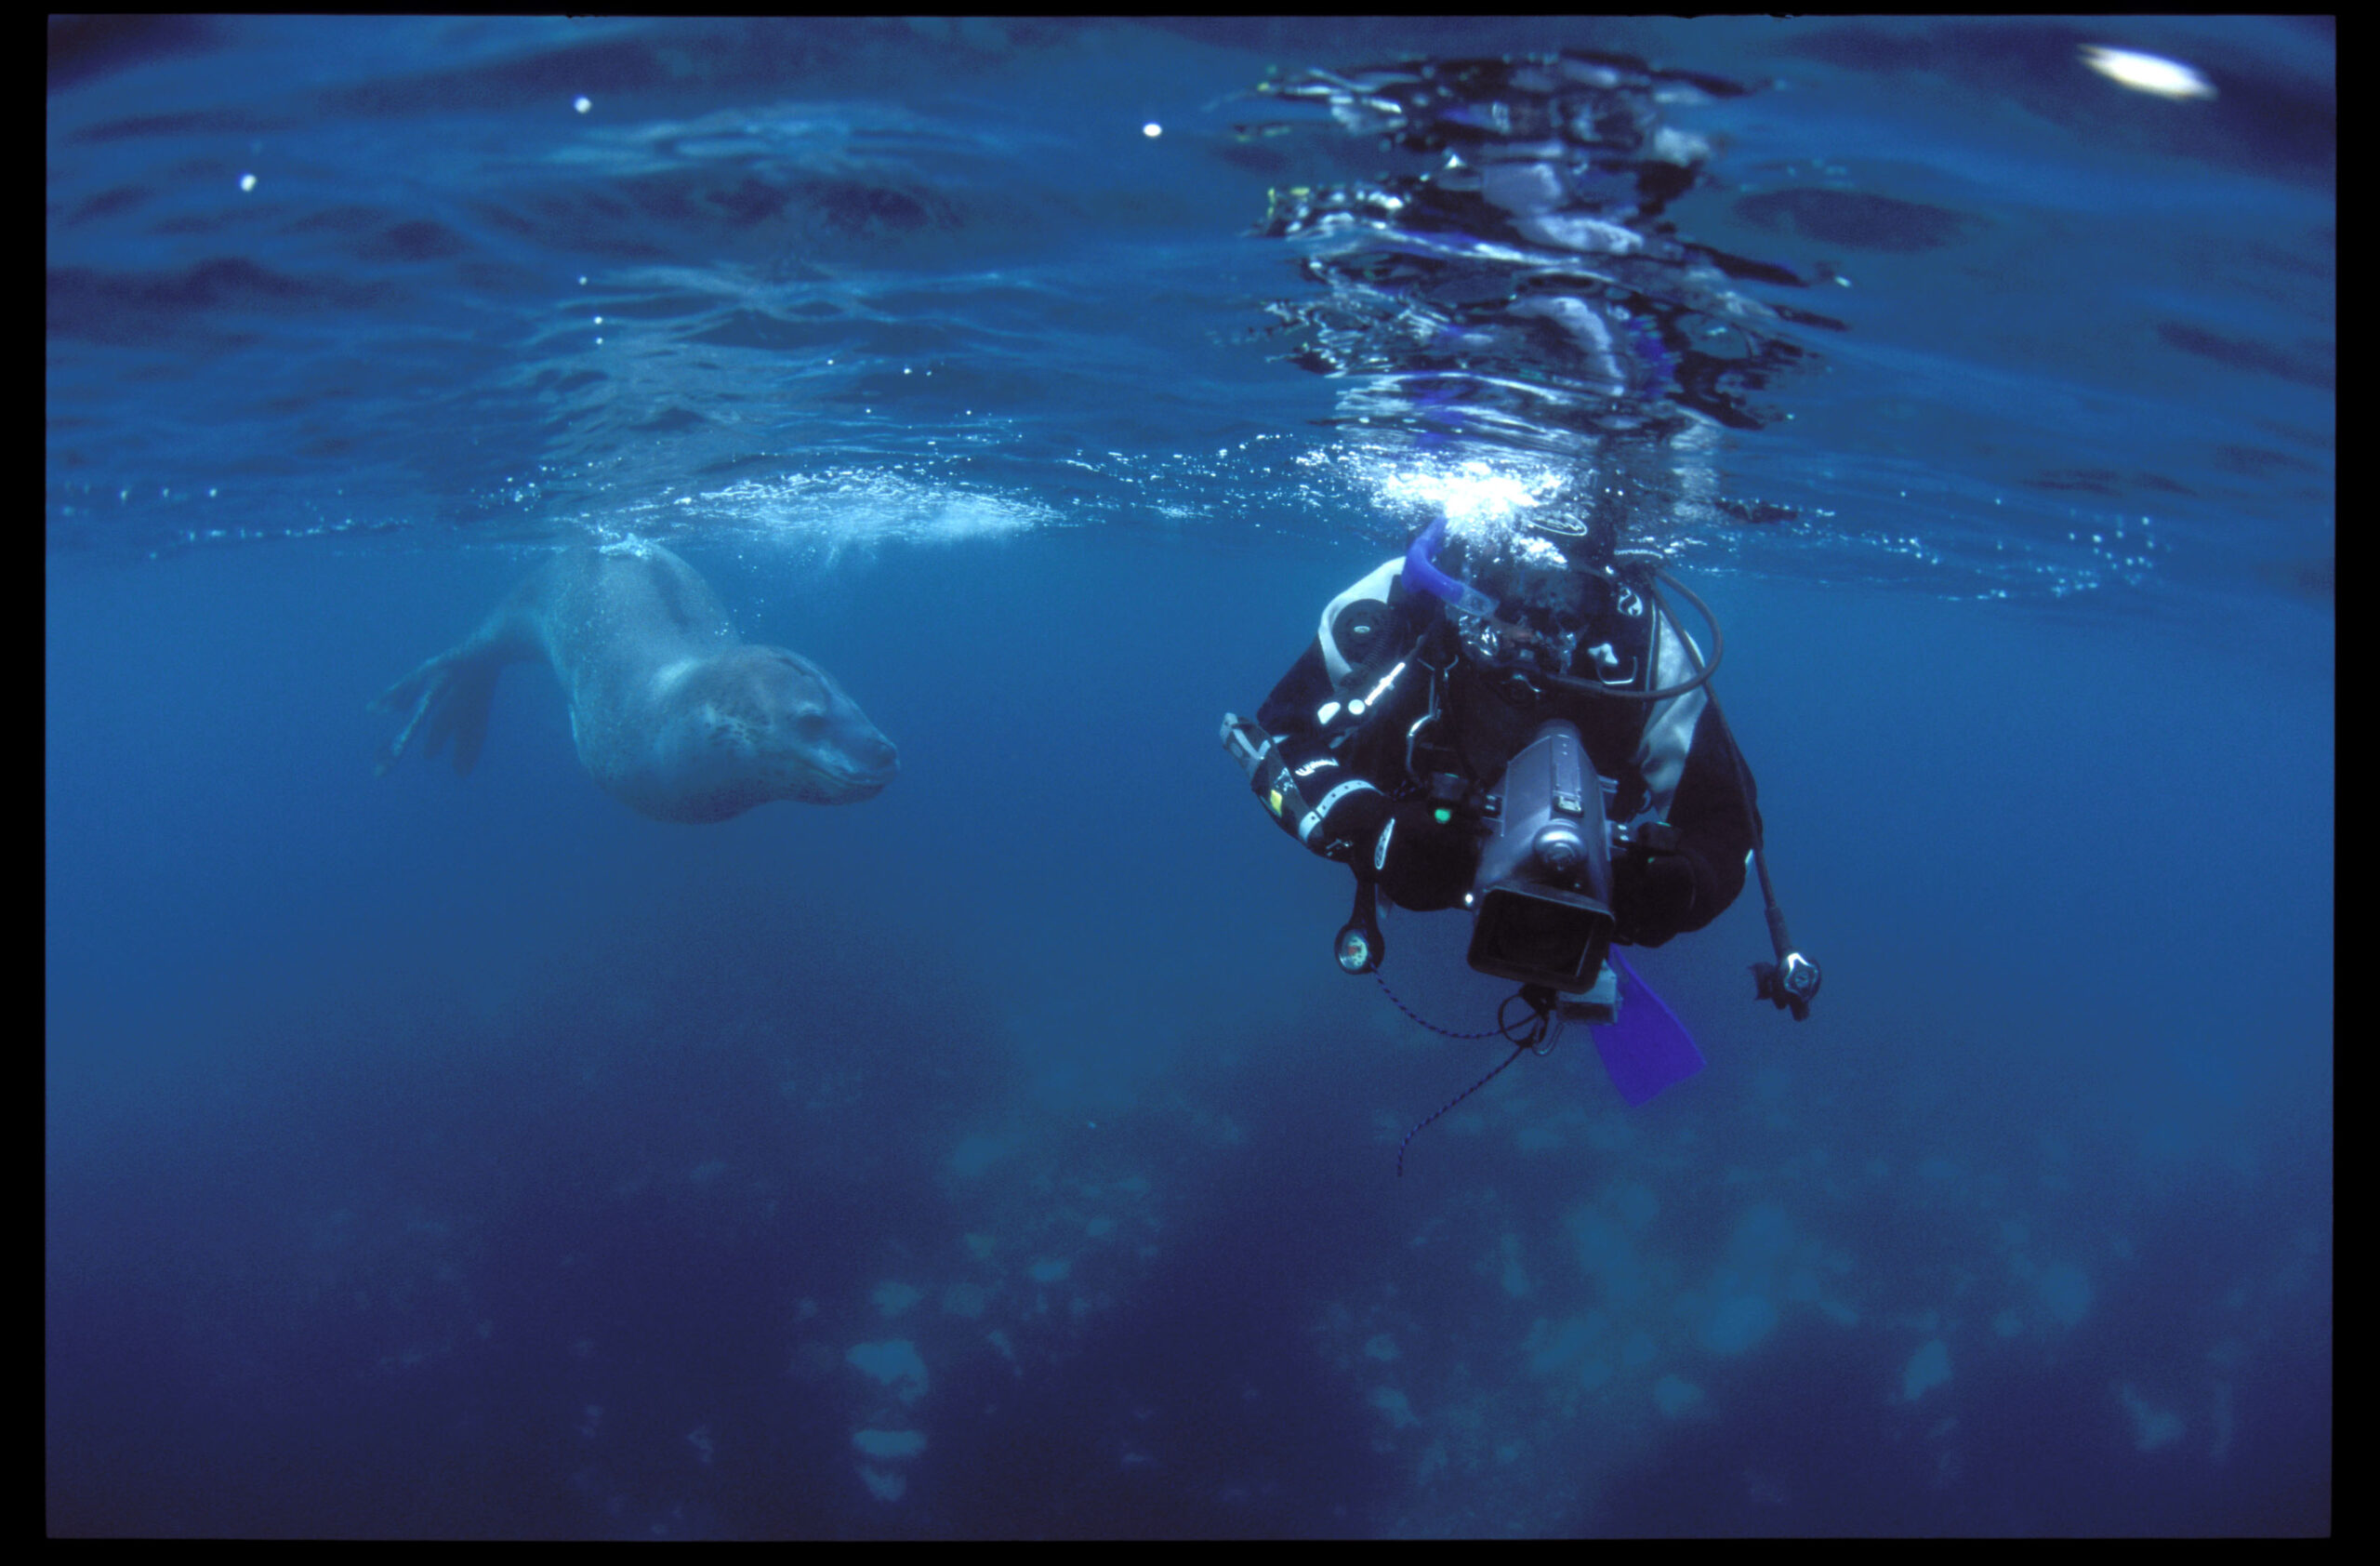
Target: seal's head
[{"x": 758, "y": 723}]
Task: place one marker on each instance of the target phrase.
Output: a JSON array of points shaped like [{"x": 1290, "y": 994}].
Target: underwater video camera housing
[{"x": 1541, "y": 899}]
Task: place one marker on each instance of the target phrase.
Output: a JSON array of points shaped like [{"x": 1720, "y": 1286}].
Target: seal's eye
[{"x": 810, "y": 726}]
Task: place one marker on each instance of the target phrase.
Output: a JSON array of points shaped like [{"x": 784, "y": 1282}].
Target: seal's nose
[{"x": 877, "y": 754}]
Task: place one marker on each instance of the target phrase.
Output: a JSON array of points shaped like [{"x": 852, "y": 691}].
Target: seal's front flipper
[{"x": 453, "y": 690}]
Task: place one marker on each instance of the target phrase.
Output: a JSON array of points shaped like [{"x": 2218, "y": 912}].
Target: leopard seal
[{"x": 672, "y": 713}]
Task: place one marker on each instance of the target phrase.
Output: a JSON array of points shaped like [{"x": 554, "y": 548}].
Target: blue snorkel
[{"x": 1422, "y": 571}]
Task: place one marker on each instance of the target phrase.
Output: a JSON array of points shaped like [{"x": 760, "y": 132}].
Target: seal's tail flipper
[{"x": 453, "y": 690}]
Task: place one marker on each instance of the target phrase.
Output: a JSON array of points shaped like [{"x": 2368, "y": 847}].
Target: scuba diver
[{"x": 1507, "y": 718}]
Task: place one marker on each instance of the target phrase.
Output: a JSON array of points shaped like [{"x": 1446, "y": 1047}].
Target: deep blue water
[{"x": 477, "y": 1158}]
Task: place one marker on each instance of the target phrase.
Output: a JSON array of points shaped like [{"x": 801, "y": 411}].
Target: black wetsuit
[{"x": 1350, "y": 796}]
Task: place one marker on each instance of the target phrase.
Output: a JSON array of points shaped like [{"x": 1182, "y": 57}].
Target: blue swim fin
[{"x": 1646, "y": 1049}]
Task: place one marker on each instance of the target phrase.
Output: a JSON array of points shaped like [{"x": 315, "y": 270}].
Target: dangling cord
[
  {"x": 1517, "y": 1052},
  {"x": 1530, "y": 1037},
  {"x": 1421, "y": 1021}
]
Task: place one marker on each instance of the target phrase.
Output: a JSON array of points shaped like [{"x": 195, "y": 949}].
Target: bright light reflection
[
  {"x": 2146, "y": 72},
  {"x": 1476, "y": 497}
]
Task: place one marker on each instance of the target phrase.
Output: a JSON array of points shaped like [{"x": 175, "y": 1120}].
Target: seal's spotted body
[{"x": 671, "y": 713}]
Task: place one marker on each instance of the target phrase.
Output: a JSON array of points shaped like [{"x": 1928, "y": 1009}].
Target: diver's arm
[
  {"x": 1310, "y": 793},
  {"x": 1295, "y": 759},
  {"x": 1317, "y": 794},
  {"x": 1319, "y": 763},
  {"x": 1421, "y": 861},
  {"x": 1683, "y": 871},
  {"x": 1323, "y": 804},
  {"x": 1297, "y": 695}
]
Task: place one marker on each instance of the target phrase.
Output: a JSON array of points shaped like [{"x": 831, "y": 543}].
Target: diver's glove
[
  {"x": 1314, "y": 797},
  {"x": 1654, "y": 885},
  {"x": 1421, "y": 862}
]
